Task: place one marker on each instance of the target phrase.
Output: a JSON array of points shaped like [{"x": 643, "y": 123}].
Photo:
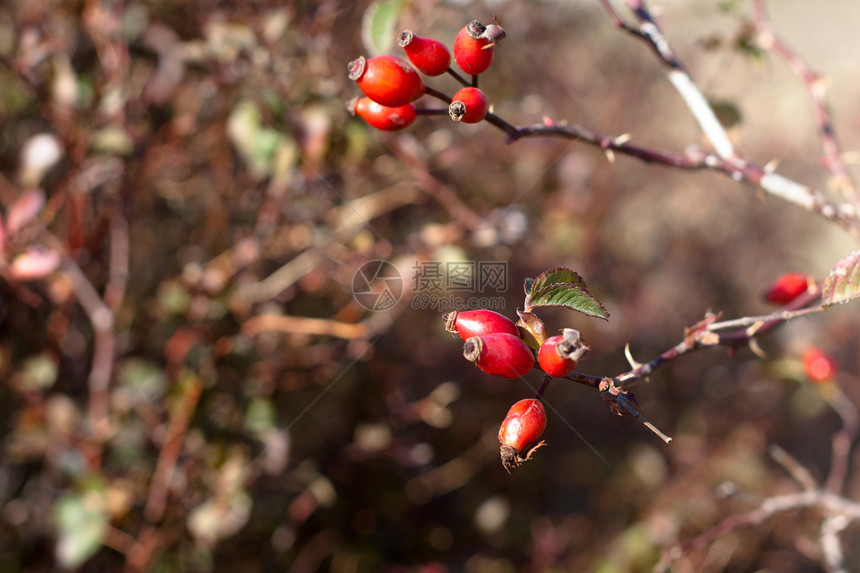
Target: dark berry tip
[
  {"x": 475, "y": 29},
  {"x": 457, "y": 110},
  {"x": 472, "y": 348},
  {"x": 356, "y": 68},
  {"x": 405, "y": 38}
]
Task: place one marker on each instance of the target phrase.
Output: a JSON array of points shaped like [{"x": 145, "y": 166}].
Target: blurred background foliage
[{"x": 259, "y": 419}]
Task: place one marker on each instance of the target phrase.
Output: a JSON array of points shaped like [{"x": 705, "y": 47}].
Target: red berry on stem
[
  {"x": 554, "y": 357},
  {"x": 818, "y": 365},
  {"x": 469, "y": 105},
  {"x": 380, "y": 116},
  {"x": 473, "y": 51},
  {"x": 522, "y": 427},
  {"x": 479, "y": 322},
  {"x": 387, "y": 80},
  {"x": 500, "y": 354},
  {"x": 428, "y": 55},
  {"x": 787, "y": 288}
]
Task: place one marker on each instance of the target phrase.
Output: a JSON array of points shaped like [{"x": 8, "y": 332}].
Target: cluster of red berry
[
  {"x": 496, "y": 345},
  {"x": 818, "y": 366},
  {"x": 391, "y": 84}
]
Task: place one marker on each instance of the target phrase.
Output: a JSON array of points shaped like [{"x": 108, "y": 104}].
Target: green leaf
[
  {"x": 561, "y": 286},
  {"x": 568, "y": 295},
  {"x": 377, "y": 25},
  {"x": 843, "y": 281},
  {"x": 558, "y": 275},
  {"x": 527, "y": 286}
]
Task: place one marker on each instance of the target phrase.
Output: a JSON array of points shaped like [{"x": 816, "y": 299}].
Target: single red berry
[
  {"x": 473, "y": 51},
  {"x": 500, "y": 354},
  {"x": 787, "y": 288},
  {"x": 380, "y": 116},
  {"x": 469, "y": 105},
  {"x": 818, "y": 365},
  {"x": 430, "y": 56},
  {"x": 479, "y": 322},
  {"x": 523, "y": 426},
  {"x": 387, "y": 80},
  {"x": 554, "y": 357}
]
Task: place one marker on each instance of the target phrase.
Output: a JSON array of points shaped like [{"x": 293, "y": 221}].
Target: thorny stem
[
  {"x": 693, "y": 159},
  {"x": 725, "y": 159},
  {"x": 707, "y": 334}
]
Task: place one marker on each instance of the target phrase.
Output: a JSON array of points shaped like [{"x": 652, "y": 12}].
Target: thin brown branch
[
  {"x": 119, "y": 260},
  {"x": 140, "y": 553},
  {"x": 102, "y": 320},
  {"x": 693, "y": 159},
  {"x": 843, "y": 439},
  {"x": 305, "y": 325},
  {"x": 817, "y": 87},
  {"x": 180, "y": 419},
  {"x": 828, "y": 503},
  {"x": 444, "y": 194},
  {"x": 794, "y": 468}
]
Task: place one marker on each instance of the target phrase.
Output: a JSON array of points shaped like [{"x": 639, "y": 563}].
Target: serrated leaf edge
[{"x": 575, "y": 287}]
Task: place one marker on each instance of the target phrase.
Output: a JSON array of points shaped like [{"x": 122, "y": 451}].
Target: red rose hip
[
  {"x": 554, "y": 356},
  {"x": 381, "y": 116},
  {"x": 787, "y": 288},
  {"x": 387, "y": 80},
  {"x": 523, "y": 426},
  {"x": 430, "y": 56},
  {"x": 818, "y": 365},
  {"x": 473, "y": 51},
  {"x": 500, "y": 354},
  {"x": 479, "y": 322},
  {"x": 469, "y": 105}
]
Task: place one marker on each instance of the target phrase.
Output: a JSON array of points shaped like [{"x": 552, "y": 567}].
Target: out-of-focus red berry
[
  {"x": 787, "y": 288},
  {"x": 500, "y": 354},
  {"x": 387, "y": 80},
  {"x": 381, "y": 116},
  {"x": 818, "y": 365},
  {"x": 430, "y": 56}
]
